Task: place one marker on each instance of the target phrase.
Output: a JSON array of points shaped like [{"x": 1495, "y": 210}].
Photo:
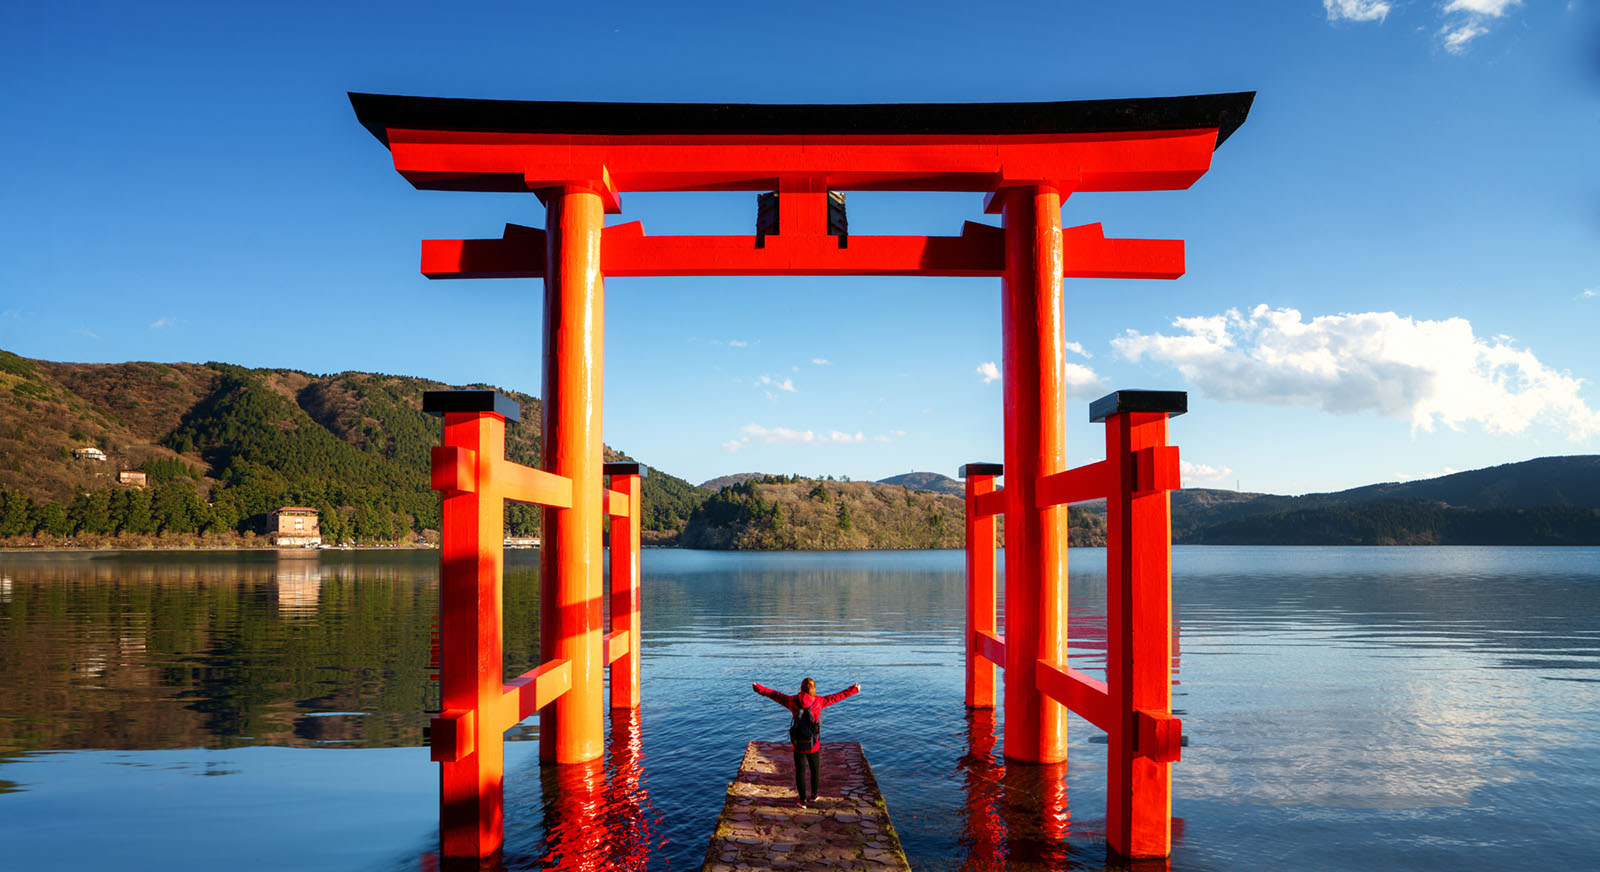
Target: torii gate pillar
[
  {"x": 1035, "y": 446},
  {"x": 572, "y": 729}
]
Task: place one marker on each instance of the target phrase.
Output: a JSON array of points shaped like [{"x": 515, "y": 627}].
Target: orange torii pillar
[
  {"x": 1035, "y": 446},
  {"x": 571, "y": 596}
]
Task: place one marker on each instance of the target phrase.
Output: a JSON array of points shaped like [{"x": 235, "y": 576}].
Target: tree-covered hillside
[
  {"x": 774, "y": 513},
  {"x": 224, "y": 445}
]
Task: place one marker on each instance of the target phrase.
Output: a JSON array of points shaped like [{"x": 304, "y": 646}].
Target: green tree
[
  {"x": 175, "y": 507},
  {"x": 90, "y": 513},
  {"x": 14, "y": 520},
  {"x": 50, "y": 519}
]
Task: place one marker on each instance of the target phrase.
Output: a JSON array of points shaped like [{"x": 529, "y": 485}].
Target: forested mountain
[
  {"x": 223, "y": 445},
  {"x": 776, "y": 512},
  {"x": 1545, "y": 501},
  {"x": 927, "y": 481},
  {"x": 713, "y": 485}
]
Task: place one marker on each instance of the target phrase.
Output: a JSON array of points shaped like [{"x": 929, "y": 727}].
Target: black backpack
[{"x": 804, "y": 729}]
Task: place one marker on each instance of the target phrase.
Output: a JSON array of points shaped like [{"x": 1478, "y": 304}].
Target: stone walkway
[{"x": 846, "y": 828}]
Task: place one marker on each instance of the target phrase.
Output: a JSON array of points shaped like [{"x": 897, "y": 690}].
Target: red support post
[
  {"x": 626, "y": 479},
  {"x": 1143, "y": 737},
  {"x": 572, "y": 729},
  {"x": 471, "y": 563},
  {"x": 980, "y": 583},
  {"x": 1035, "y": 446}
]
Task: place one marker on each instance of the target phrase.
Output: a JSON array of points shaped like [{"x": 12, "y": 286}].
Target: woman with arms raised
[{"x": 805, "y": 730}]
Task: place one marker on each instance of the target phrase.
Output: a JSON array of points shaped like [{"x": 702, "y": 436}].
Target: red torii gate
[{"x": 579, "y": 158}]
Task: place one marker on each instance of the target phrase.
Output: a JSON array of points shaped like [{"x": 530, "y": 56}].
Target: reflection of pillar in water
[
  {"x": 628, "y": 798},
  {"x": 299, "y": 583},
  {"x": 980, "y": 776},
  {"x": 577, "y": 833},
  {"x": 1034, "y": 809}
]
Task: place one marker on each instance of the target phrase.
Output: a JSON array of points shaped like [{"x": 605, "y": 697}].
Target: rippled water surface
[{"x": 1380, "y": 708}]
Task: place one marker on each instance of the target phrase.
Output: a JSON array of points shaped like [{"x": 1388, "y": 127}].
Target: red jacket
[{"x": 815, "y": 703}]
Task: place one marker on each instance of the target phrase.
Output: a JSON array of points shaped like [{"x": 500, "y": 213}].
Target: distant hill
[
  {"x": 1548, "y": 500},
  {"x": 223, "y": 445},
  {"x": 722, "y": 481},
  {"x": 774, "y": 513},
  {"x": 927, "y": 481}
]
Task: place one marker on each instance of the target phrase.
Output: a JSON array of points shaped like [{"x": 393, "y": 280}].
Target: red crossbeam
[
  {"x": 617, "y": 505},
  {"x": 990, "y": 648},
  {"x": 1148, "y": 160},
  {"x": 989, "y": 504},
  {"x": 626, "y": 251},
  {"x": 454, "y": 472},
  {"x": 1087, "y": 697},
  {"x": 1089, "y": 482},
  {"x": 453, "y": 732},
  {"x": 617, "y": 644}
]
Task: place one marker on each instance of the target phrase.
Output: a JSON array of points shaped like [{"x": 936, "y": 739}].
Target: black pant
[{"x": 802, "y": 760}]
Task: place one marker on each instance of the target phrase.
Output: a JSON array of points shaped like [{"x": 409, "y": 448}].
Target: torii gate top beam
[
  {"x": 802, "y": 152},
  {"x": 1083, "y": 145}
]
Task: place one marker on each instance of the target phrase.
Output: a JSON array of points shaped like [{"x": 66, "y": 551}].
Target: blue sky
[{"x": 1394, "y": 265}]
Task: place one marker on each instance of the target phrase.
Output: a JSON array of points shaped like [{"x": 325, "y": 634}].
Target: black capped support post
[
  {"x": 1173, "y": 403},
  {"x": 440, "y": 402},
  {"x": 972, "y": 469},
  {"x": 628, "y": 468}
]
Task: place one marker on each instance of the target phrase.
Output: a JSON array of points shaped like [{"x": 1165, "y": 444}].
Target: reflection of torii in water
[{"x": 579, "y": 159}]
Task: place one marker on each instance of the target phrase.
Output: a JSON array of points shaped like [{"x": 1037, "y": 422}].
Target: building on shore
[
  {"x": 296, "y": 526},
  {"x": 89, "y": 453},
  {"x": 132, "y": 478}
]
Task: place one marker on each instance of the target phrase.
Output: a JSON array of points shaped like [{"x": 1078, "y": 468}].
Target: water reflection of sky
[{"x": 1347, "y": 708}]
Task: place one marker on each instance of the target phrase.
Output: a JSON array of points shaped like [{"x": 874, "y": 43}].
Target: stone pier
[{"x": 846, "y": 828}]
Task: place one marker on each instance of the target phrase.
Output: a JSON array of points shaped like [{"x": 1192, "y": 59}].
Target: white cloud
[
  {"x": 1582, "y": 295},
  {"x": 989, "y": 371},
  {"x": 786, "y": 385},
  {"x": 1201, "y": 473},
  {"x": 1469, "y": 19},
  {"x": 1461, "y": 21},
  {"x": 1448, "y": 470},
  {"x": 1077, "y": 349},
  {"x": 1356, "y": 10},
  {"x": 1427, "y": 371},
  {"x": 1081, "y": 380},
  {"x": 751, "y": 433},
  {"x": 820, "y": 361},
  {"x": 84, "y": 331},
  {"x": 160, "y": 323},
  {"x": 738, "y": 343},
  {"x": 1491, "y": 8},
  {"x": 1457, "y": 37}
]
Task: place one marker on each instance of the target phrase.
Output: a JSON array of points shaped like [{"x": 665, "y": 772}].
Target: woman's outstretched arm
[
  {"x": 782, "y": 699},
  {"x": 848, "y": 692}
]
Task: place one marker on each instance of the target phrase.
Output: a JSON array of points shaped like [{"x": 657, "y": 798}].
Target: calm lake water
[{"x": 1347, "y": 708}]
